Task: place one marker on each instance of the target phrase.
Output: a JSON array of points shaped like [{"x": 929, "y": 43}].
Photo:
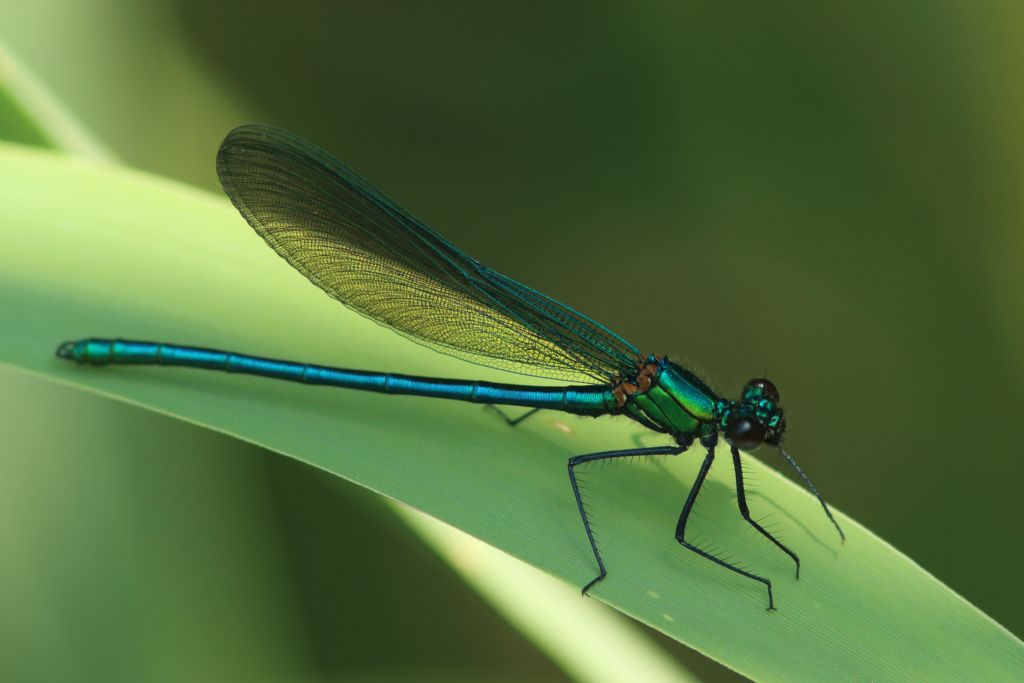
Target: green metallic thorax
[{"x": 676, "y": 402}]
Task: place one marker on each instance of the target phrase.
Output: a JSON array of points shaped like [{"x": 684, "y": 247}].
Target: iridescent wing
[{"x": 367, "y": 252}]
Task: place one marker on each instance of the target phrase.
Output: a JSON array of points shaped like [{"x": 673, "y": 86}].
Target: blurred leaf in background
[
  {"x": 828, "y": 194},
  {"x": 99, "y": 580}
]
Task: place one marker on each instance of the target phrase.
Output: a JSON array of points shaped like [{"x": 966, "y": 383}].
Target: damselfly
[{"x": 367, "y": 252}]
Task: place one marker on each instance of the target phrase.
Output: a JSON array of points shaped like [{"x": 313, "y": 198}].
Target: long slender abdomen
[{"x": 585, "y": 400}]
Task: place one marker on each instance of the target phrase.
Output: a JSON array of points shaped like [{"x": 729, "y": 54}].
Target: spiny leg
[
  {"x": 512, "y": 422},
  {"x": 608, "y": 455},
  {"x": 684, "y": 516},
  {"x": 817, "y": 495},
  {"x": 741, "y": 501}
]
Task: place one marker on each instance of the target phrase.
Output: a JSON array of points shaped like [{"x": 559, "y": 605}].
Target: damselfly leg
[
  {"x": 741, "y": 501},
  {"x": 709, "y": 443},
  {"x": 609, "y": 455},
  {"x": 813, "y": 489}
]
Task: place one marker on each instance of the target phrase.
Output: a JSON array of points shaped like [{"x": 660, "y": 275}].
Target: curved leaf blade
[{"x": 92, "y": 250}]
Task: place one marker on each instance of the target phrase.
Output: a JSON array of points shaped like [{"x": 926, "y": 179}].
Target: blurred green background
[{"x": 831, "y": 195}]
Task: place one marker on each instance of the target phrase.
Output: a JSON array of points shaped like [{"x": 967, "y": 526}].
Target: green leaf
[
  {"x": 589, "y": 641},
  {"x": 29, "y": 114},
  {"x": 92, "y": 250}
]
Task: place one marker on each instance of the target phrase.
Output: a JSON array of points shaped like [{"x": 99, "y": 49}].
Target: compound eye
[
  {"x": 744, "y": 433},
  {"x": 767, "y": 388}
]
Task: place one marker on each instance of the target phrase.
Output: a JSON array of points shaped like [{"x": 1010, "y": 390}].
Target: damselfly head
[
  {"x": 761, "y": 388},
  {"x": 756, "y": 418}
]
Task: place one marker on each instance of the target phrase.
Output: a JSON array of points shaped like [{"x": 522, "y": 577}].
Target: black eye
[
  {"x": 767, "y": 388},
  {"x": 744, "y": 433}
]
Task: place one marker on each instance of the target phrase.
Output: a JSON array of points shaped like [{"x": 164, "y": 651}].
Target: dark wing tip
[
  {"x": 250, "y": 130},
  {"x": 237, "y": 142},
  {"x": 244, "y": 149},
  {"x": 253, "y": 144}
]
